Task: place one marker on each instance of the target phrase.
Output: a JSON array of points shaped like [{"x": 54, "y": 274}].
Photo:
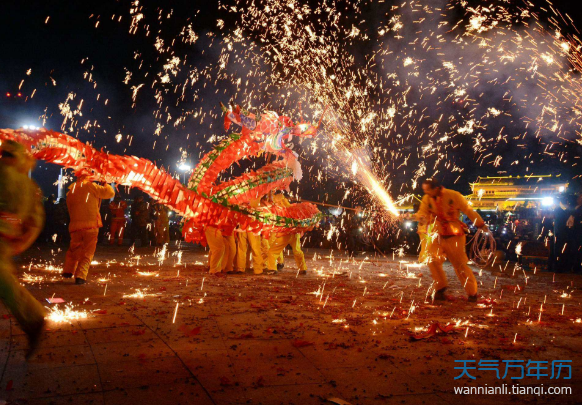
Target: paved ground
[{"x": 341, "y": 332}]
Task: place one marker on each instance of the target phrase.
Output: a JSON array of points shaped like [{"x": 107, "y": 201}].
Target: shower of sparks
[
  {"x": 68, "y": 314},
  {"x": 49, "y": 267},
  {"x": 161, "y": 254},
  {"x": 148, "y": 273},
  {"x": 386, "y": 88},
  {"x": 32, "y": 279},
  {"x": 175, "y": 313},
  {"x": 138, "y": 294},
  {"x": 178, "y": 255}
]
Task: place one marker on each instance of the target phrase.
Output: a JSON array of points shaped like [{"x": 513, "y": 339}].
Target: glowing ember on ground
[
  {"x": 68, "y": 314},
  {"x": 161, "y": 254},
  {"x": 30, "y": 278},
  {"x": 49, "y": 267},
  {"x": 148, "y": 273},
  {"x": 139, "y": 293}
]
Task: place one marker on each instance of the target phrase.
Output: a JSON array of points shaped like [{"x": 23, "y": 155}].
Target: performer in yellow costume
[
  {"x": 282, "y": 240},
  {"x": 442, "y": 207},
  {"x": 21, "y": 220},
  {"x": 248, "y": 240},
  {"x": 84, "y": 202}
]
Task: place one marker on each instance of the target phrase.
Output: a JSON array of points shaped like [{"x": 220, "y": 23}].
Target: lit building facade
[{"x": 510, "y": 192}]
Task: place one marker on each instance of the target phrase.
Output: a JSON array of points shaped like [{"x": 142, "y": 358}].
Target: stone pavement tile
[
  {"x": 332, "y": 354},
  {"x": 134, "y": 373},
  {"x": 119, "y": 334},
  {"x": 53, "y": 339},
  {"x": 510, "y": 399},
  {"x": 43, "y": 382},
  {"x": 192, "y": 334},
  {"x": 296, "y": 322},
  {"x": 52, "y": 357},
  {"x": 212, "y": 368},
  {"x": 114, "y": 352},
  {"x": 267, "y": 363},
  {"x": 96, "y": 321},
  {"x": 304, "y": 330},
  {"x": 50, "y": 326},
  {"x": 301, "y": 394},
  {"x": 196, "y": 342},
  {"x": 4, "y": 352},
  {"x": 380, "y": 379},
  {"x": 186, "y": 392},
  {"x": 248, "y": 324},
  {"x": 415, "y": 399},
  {"x": 317, "y": 335},
  {"x": 3, "y": 311},
  {"x": 4, "y": 338},
  {"x": 230, "y": 396},
  {"x": 5, "y": 320},
  {"x": 79, "y": 399}
]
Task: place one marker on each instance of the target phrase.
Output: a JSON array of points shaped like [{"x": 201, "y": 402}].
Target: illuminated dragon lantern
[{"x": 204, "y": 201}]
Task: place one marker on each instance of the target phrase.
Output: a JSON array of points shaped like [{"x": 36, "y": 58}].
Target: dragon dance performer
[
  {"x": 442, "y": 207},
  {"x": 222, "y": 249},
  {"x": 216, "y": 249},
  {"x": 266, "y": 238},
  {"x": 281, "y": 241},
  {"x": 83, "y": 201},
  {"x": 230, "y": 253},
  {"x": 21, "y": 220},
  {"x": 280, "y": 258},
  {"x": 249, "y": 241}
]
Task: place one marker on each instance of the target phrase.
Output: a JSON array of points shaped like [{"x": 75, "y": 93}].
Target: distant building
[{"x": 510, "y": 192}]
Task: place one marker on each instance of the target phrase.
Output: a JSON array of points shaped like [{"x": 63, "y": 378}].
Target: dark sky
[{"x": 54, "y": 50}]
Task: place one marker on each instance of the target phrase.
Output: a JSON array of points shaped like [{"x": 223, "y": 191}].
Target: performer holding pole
[
  {"x": 442, "y": 207},
  {"x": 249, "y": 241},
  {"x": 280, "y": 241},
  {"x": 83, "y": 201},
  {"x": 217, "y": 249},
  {"x": 229, "y": 252}
]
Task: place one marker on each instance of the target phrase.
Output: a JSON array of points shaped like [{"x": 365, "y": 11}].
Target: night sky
[
  {"x": 55, "y": 49},
  {"x": 69, "y": 45}
]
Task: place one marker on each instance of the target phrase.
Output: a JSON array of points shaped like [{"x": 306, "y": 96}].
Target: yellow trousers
[
  {"x": 452, "y": 248},
  {"x": 246, "y": 240},
  {"x": 217, "y": 249},
  {"x": 25, "y": 308},
  {"x": 229, "y": 253},
  {"x": 277, "y": 247},
  {"x": 81, "y": 251},
  {"x": 280, "y": 258},
  {"x": 425, "y": 241},
  {"x": 265, "y": 245}
]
